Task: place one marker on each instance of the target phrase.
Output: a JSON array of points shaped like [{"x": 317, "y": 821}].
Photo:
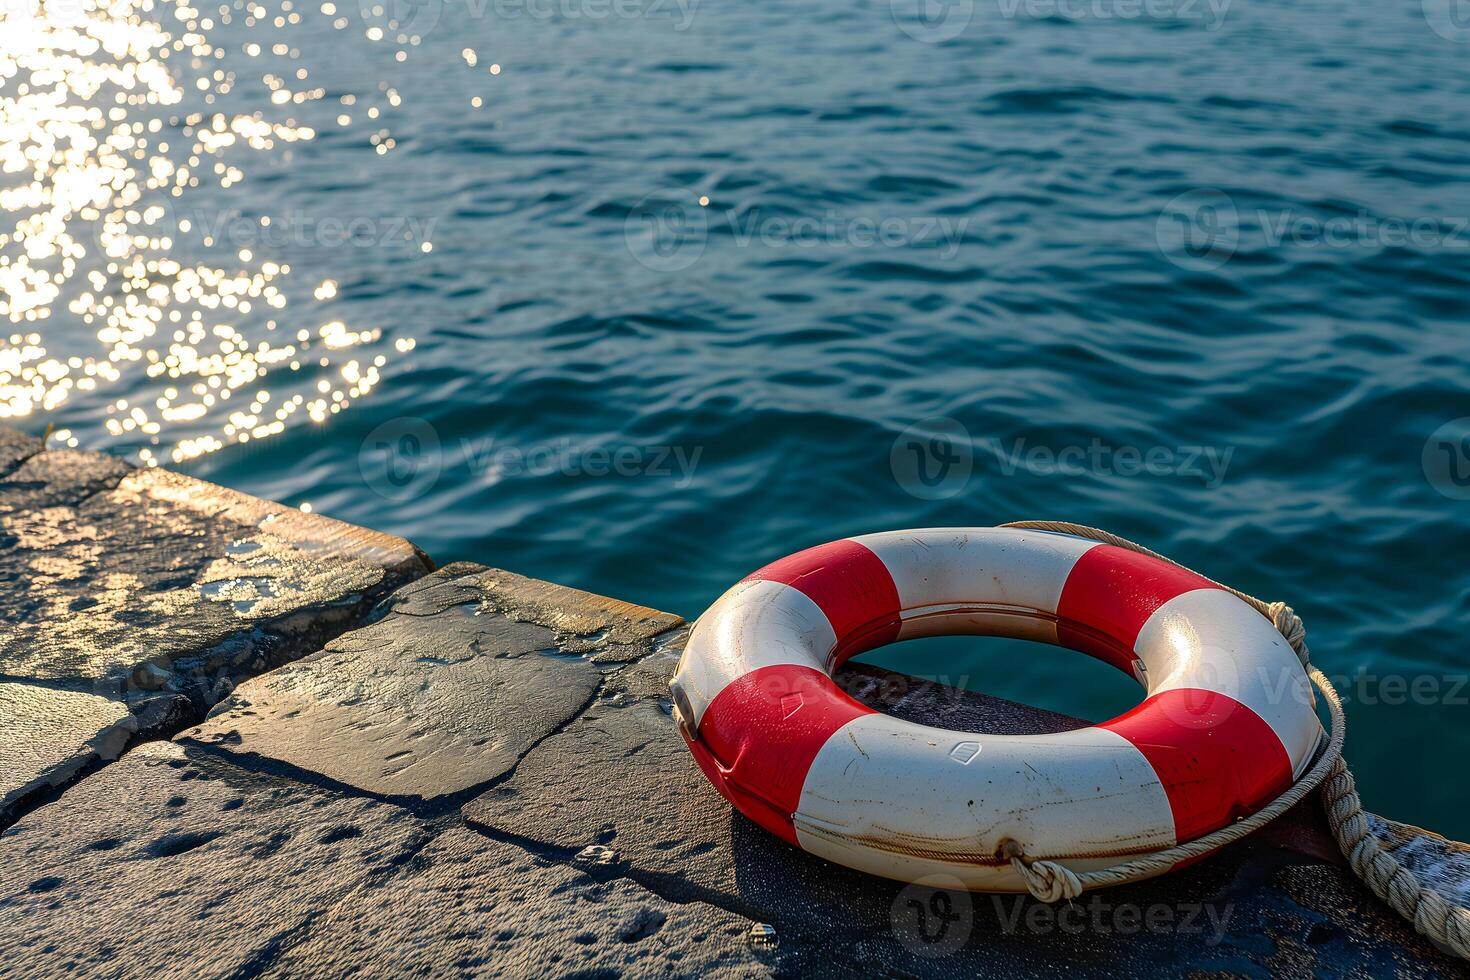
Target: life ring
[{"x": 1227, "y": 723}]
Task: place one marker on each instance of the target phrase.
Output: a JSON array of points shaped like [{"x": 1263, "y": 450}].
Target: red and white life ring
[{"x": 1226, "y": 726}]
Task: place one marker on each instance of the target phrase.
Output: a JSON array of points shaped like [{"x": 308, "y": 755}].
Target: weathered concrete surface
[
  {"x": 232, "y": 852},
  {"x": 444, "y": 693},
  {"x": 175, "y": 862},
  {"x": 60, "y": 478},
  {"x": 15, "y": 447},
  {"x": 606, "y": 630},
  {"x": 169, "y": 863},
  {"x": 469, "y": 906},
  {"x": 168, "y": 570},
  {"x": 48, "y": 737},
  {"x": 131, "y": 600}
]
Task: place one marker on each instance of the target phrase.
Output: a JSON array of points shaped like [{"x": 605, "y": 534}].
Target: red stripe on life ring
[
  {"x": 759, "y": 735},
  {"x": 852, "y": 587},
  {"x": 1217, "y": 759},
  {"x": 1115, "y": 591}
]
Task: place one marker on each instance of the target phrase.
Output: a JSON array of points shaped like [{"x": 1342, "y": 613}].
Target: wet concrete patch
[
  {"x": 1444, "y": 864},
  {"x": 604, "y": 629},
  {"x": 444, "y": 693},
  {"x": 124, "y": 579},
  {"x": 465, "y": 672}
]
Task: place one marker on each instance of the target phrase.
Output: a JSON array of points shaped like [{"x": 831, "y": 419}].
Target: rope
[{"x": 1432, "y": 914}]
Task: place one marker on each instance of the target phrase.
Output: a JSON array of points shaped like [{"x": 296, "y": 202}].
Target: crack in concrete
[
  {"x": 107, "y": 484},
  {"x": 21, "y": 461},
  {"x": 82, "y": 501}
]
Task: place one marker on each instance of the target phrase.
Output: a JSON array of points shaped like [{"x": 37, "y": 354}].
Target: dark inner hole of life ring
[{"x": 992, "y": 682}]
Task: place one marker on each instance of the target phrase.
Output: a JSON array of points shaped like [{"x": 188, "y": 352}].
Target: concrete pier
[{"x": 237, "y": 740}]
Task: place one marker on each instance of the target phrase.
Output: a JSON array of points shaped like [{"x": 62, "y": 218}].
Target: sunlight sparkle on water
[{"x": 109, "y": 123}]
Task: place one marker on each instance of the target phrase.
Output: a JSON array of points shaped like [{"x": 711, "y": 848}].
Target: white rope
[{"x": 1431, "y": 913}]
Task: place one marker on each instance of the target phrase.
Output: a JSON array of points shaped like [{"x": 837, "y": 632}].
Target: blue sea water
[{"x": 640, "y": 296}]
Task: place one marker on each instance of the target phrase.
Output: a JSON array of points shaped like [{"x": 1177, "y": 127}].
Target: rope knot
[{"x": 1046, "y": 880}]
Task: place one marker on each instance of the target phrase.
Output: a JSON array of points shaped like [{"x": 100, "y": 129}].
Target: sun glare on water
[{"x": 110, "y": 125}]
